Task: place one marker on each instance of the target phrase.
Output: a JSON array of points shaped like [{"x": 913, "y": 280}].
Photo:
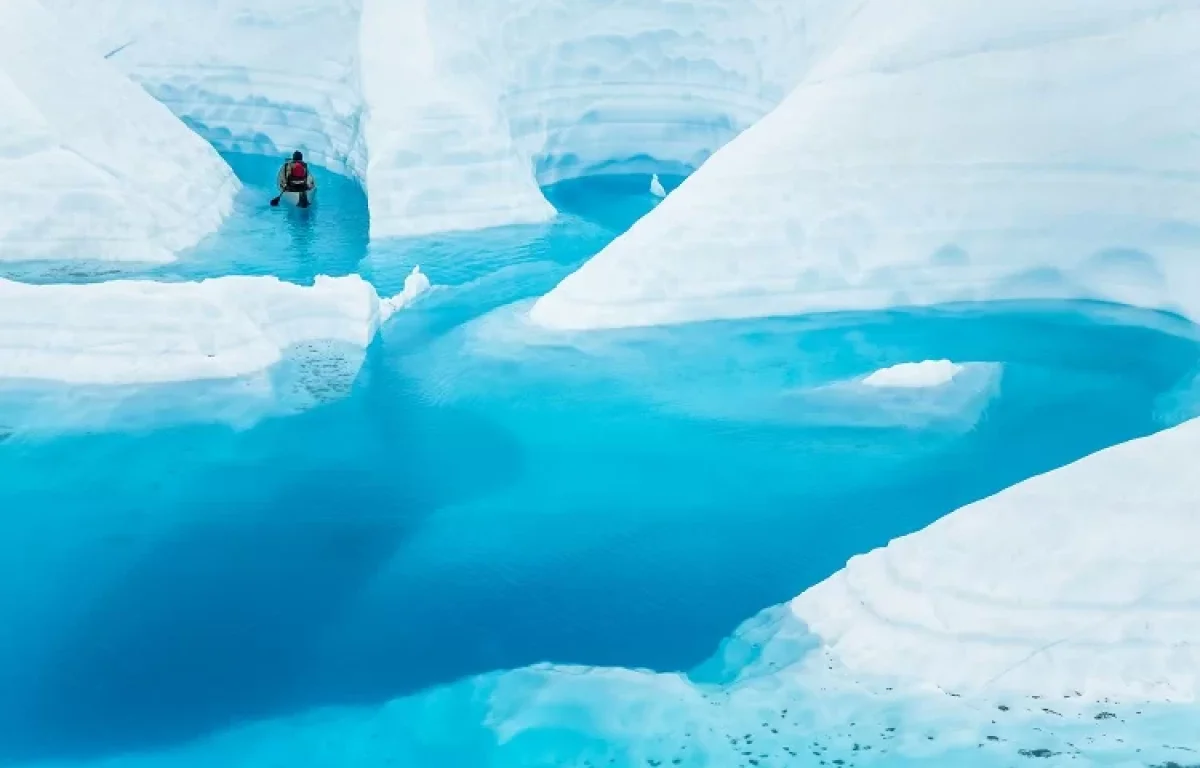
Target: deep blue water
[{"x": 487, "y": 497}]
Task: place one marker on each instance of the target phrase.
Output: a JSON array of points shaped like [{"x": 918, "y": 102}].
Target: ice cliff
[
  {"x": 1081, "y": 582},
  {"x": 91, "y": 167},
  {"x": 938, "y": 152},
  {"x": 453, "y": 112}
]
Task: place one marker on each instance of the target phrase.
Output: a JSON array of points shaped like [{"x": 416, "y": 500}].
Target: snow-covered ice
[
  {"x": 453, "y": 112},
  {"x": 928, "y": 373},
  {"x": 440, "y": 154},
  {"x": 142, "y": 332},
  {"x": 91, "y": 167},
  {"x": 937, "y": 152},
  {"x": 1085, "y": 580},
  {"x": 263, "y": 77}
]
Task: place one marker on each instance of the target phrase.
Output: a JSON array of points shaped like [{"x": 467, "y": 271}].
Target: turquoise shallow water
[{"x": 486, "y": 496}]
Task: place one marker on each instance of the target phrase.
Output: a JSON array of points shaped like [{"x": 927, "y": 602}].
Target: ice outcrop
[
  {"x": 440, "y": 153},
  {"x": 453, "y": 112},
  {"x": 263, "y": 77},
  {"x": 141, "y": 332},
  {"x": 1084, "y": 581},
  {"x": 91, "y": 167},
  {"x": 928, "y": 373},
  {"x": 937, "y": 151}
]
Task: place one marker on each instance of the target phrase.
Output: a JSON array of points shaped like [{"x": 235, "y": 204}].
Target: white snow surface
[
  {"x": 452, "y": 112},
  {"x": 441, "y": 154},
  {"x": 142, "y": 332},
  {"x": 1085, "y": 580},
  {"x": 928, "y": 373},
  {"x": 261, "y": 77},
  {"x": 91, "y": 167},
  {"x": 939, "y": 151}
]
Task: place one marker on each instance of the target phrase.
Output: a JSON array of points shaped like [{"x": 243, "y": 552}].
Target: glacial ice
[
  {"x": 656, "y": 186},
  {"x": 91, "y": 167},
  {"x": 942, "y": 152},
  {"x": 928, "y": 373},
  {"x": 263, "y": 77},
  {"x": 142, "y": 332},
  {"x": 453, "y": 112},
  {"x": 1083, "y": 581},
  {"x": 1055, "y": 620}
]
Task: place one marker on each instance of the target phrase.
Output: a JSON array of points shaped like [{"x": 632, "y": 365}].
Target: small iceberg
[
  {"x": 414, "y": 285},
  {"x": 928, "y": 373},
  {"x": 656, "y": 187}
]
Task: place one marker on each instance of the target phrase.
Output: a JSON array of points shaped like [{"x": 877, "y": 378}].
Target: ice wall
[
  {"x": 90, "y": 166},
  {"x": 263, "y": 77},
  {"x": 938, "y": 151},
  {"x": 441, "y": 155},
  {"x": 453, "y": 112},
  {"x": 631, "y": 85},
  {"x": 141, "y": 332}
]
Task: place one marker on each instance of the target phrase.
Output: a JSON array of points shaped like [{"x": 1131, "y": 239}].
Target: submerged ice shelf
[
  {"x": 620, "y": 500},
  {"x": 616, "y": 540}
]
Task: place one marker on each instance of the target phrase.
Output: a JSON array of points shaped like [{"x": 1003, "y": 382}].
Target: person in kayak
[{"x": 295, "y": 177}]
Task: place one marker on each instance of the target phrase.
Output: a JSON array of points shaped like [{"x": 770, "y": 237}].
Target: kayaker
[{"x": 295, "y": 177}]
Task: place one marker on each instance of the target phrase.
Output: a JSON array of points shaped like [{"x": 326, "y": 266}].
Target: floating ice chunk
[
  {"x": 656, "y": 187},
  {"x": 1085, "y": 580},
  {"x": 414, "y": 285},
  {"x": 126, "y": 332},
  {"x": 91, "y": 167},
  {"x": 930, "y": 373},
  {"x": 937, "y": 152}
]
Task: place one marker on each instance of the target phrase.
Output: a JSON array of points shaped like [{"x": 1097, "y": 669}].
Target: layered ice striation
[
  {"x": 91, "y": 167},
  {"x": 938, "y": 152},
  {"x": 453, "y": 112},
  {"x": 441, "y": 155},
  {"x": 262, "y": 77},
  {"x": 1084, "y": 581},
  {"x": 142, "y": 332}
]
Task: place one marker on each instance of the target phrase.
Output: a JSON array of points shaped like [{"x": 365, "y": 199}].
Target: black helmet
[{"x": 297, "y": 156}]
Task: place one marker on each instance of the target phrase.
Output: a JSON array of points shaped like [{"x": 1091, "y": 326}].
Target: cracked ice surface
[
  {"x": 946, "y": 151},
  {"x": 91, "y": 167}
]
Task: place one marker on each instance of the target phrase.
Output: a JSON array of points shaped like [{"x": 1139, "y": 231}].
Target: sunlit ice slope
[
  {"x": 939, "y": 151},
  {"x": 453, "y": 113},
  {"x": 91, "y": 167}
]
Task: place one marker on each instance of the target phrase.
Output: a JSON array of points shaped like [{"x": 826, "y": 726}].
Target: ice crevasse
[
  {"x": 452, "y": 113},
  {"x": 90, "y": 165},
  {"x": 936, "y": 152}
]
